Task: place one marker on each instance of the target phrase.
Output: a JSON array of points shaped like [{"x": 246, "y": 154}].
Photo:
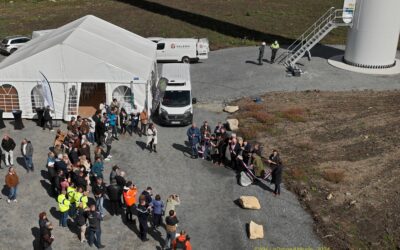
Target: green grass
[{"x": 284, "y": 18}]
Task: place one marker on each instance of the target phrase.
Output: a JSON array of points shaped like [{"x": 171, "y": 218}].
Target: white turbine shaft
[{"x": 372, "y": 41}]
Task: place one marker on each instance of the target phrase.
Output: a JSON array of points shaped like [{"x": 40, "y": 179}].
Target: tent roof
[{"x": 88, "y": 49}]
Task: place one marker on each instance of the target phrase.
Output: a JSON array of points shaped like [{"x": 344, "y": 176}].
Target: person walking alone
[
  {"x": 274, "y": 50},
  {"x": 261, "y": 53},
  {"x": 12, "y": 182},
  {"x": 152, "y": 138},
  {"x": 8, "y": 145},
  {"x": 27, "y": 153}
]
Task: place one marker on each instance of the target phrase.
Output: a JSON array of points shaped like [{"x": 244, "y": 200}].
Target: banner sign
[{"x": 47, "y": 95}]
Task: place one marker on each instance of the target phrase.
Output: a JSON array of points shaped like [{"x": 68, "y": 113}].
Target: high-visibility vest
[
  {"x": 130, "y": 196},
  {"x": 77, "y": 198},
  {"x": 63, "y": 203},
  {"x": 275, "y": 46},
  {"x": 71, "y": 194},
  {"x": 84, "y": 199}
]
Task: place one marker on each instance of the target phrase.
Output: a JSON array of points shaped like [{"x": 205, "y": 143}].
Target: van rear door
[{"x": 202, "y": 48}]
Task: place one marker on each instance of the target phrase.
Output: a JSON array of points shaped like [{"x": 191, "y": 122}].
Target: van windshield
[{"x": 176, "y": 98}]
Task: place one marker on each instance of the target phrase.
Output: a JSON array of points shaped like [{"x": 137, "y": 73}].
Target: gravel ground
[
  {"x": 232, "y": 73},
  {"x": 208, "y": 211}
]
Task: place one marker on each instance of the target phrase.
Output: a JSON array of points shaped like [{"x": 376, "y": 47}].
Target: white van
[
  {"x": 176, "y": 106},
  {"x": 184, "y": 50}
]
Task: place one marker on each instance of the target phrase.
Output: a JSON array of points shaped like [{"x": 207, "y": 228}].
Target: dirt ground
[{"x": 341, "y": 155}]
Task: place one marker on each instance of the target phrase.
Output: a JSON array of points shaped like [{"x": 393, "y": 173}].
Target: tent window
[
  {"x": 37, "y": 98},
  {"x": 8, "y": 98},
  {"x": 73, "y": 101},
  {"x": 124, "y": 96}
]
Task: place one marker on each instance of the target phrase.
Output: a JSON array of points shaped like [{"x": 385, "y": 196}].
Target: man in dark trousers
[
  {"x": 46, "y": 238},
  {"x": 94, "y": 219},
  {"x": 143, "y": 211},
  {"x": 193, "y": 134},
  {"x": 277, "y": 177},
  {"x": 274, "y": 50},
  {"x": 114, "y": 196},
  {"x": 261, "y": 53},
  {"x": 47, "y": 119}
]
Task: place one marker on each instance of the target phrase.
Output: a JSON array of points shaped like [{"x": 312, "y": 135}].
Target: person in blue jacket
[
  {"x": 194, "y": 135},
  {"x": 112, "y": 118}
]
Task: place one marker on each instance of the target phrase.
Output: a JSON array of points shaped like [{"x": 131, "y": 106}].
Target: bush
[
  {"x": 297, "y": 173},
  {"x": 251, "y": 107},
  {"x": 334, "y": 176},
  {"x": 248, "y": 133},
  {"x": 263, "y": 117},
  {"x": 294, "y": 115}
]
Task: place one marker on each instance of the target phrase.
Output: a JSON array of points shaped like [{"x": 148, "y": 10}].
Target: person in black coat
[
  {"x": 277, "y": 177},
  {"x": 143, "y": 211},
  {"x": 47, "y": 119},
  {"x": 114, "y": 196},
  {"x": 147, "y": 194}
]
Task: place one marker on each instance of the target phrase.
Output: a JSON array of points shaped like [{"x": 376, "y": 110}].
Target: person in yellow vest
[
  {"x": 78, "y": 196},
  {"x": 81, "y": 197},
  {"x": 71, "y": 190},
  {"x": 274, "y": 50},
  {"x": 63, "y": 205}
]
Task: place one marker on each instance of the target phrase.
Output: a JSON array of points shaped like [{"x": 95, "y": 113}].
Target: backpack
[{"x": 180, "y": 244}]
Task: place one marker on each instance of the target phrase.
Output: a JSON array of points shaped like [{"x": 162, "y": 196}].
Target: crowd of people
[
  {"x": 224, "y": 148},
  {"x": 76, "y": 166}
]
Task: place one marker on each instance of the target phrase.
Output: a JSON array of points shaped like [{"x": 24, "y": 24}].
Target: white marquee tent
[{"x": 76, "y": 59}]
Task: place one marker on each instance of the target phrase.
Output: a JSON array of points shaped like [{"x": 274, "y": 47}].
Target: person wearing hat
[
  {"x": 274, "y": 50},
  {"x": 129, "y": 193},
  {"x": 261, "y": 53}
]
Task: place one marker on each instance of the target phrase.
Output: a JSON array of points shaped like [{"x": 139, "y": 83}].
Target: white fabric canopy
[{"x": 88, "y": 49}]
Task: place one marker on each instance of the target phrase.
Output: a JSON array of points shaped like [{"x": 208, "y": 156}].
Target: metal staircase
[{"x": 331, "y": 19}]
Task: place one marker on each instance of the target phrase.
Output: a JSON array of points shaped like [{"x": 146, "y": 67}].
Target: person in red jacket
[
  {"x": 12, "y": 182},
  {"x": 182, "y": 242},
  {"x": 130, "y": 192}
]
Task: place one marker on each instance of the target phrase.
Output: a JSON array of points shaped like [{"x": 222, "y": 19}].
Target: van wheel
[
  {"x": 12, "y": 51},
  {"x": 185, "y": 59}
]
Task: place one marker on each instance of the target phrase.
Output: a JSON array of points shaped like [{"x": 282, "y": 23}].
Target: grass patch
[
  {"x": 263, "y": 117},
  {"x": 294, "y": 115},
  {"x": 334, "y": 176}
]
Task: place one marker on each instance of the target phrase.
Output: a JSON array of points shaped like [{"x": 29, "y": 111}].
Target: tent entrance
[{"x": 92, "y": 94}]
